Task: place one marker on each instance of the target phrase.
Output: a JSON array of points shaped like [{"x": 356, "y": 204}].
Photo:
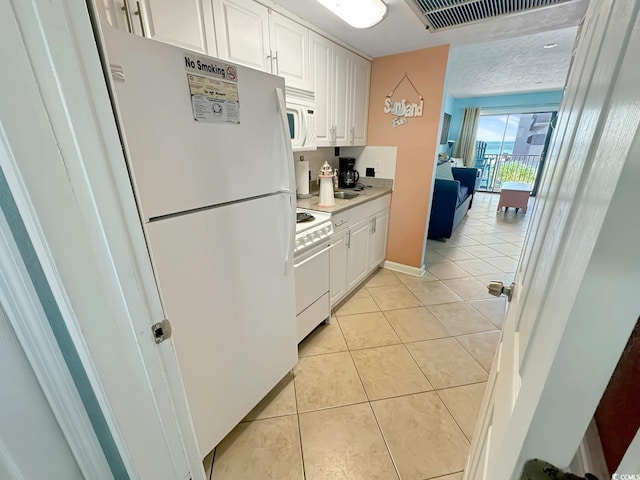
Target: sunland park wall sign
[{"x": 402, "y": 109}]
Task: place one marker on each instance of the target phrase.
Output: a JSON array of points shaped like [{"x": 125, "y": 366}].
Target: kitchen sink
[{"x": 345, "y": 195}]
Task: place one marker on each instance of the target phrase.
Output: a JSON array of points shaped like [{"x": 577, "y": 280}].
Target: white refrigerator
[{"x": 209, "y": 156}]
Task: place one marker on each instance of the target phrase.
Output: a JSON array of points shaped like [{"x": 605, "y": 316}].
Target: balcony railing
[{"x": 495, "y": 169}]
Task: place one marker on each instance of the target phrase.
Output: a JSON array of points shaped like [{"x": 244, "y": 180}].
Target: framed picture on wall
[{"x": 446, "y": 121}]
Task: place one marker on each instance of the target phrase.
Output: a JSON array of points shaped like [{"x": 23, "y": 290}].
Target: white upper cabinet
[
  {"x": 242, "y": 31},
  {"x": 252, "y": 35},
  {"x": 114, "y": 13},
  {"x": 188, "y": 24},
  {"x": 290, "y": 47},
  {"x": 360, "y": 75},
  {"x": 321, "y": 78},
  {"x": 341, "y": 95},
  {"x": 340, "y": 80}
]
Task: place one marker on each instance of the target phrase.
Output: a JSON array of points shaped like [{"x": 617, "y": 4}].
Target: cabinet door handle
[
  {"x": 353, "y": 135},
  {"x": 125, "y": 9},
  {"x": 275, "y": 59},
  {"x": 337, "y": 224},
  {"x": 349, "y": 239},
  {"x": 139, "y": 13},
  {"x": 375, "y": 224}
]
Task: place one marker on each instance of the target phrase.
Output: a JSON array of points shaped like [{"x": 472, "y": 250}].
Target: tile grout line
[
  {"x": 433, "y": 390},
  {"x": 371, "y": 406},
  {"x": 454, "y": 418},
  {"x": 295, "y": 395},
  {"x": 384, "y": 439}
]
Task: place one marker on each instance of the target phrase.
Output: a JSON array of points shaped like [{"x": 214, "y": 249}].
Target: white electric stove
[
  {"x": 311, "y": 270},
  {"x": 313, "y": 231}
]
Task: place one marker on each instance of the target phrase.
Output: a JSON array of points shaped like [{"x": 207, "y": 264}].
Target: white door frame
[
  {"x": 582, "y": 293},
  {"x": 29, "y": 321},
  {"x": 67, "y": 173}
]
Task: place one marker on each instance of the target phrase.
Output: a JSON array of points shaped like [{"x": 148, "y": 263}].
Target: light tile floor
[{"x": 391, "y": 388}]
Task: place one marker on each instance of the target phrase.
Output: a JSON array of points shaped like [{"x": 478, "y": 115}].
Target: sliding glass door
[{"x": 510, "y": 148}]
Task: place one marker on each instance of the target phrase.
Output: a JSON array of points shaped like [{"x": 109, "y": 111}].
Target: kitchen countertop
[{"x": 364, "y": 196}]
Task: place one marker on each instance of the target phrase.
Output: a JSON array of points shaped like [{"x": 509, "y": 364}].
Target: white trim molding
[
  {"x": 24, "y": 311},
  {"x": 590, "y": 456},
  {"x": 409, "y": 270}
]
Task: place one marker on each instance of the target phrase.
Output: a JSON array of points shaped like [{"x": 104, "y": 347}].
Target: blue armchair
[{"x": 451, "y": 201}]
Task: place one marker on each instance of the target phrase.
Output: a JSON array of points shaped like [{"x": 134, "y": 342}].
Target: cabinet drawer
[
  {"x": 309, "y": 319},
  {"x": 353, "y": 215}
]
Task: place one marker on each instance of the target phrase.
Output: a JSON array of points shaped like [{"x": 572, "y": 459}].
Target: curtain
[{"x": 465, "y": 147}]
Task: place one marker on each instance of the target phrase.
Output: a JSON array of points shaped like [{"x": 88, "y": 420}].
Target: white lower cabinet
[
  {"x": 358, "y": 252},
  {"x": 338, "y": 266},
  {"x": 378, "y": 242},
  {"x": 358, "y": 247}
]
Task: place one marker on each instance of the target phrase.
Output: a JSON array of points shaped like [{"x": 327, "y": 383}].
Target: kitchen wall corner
[{"x": 416, "y": 142}]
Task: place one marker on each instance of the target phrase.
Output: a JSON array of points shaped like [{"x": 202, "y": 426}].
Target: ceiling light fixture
[
  {"x": 357, "y": 13},
  {"x": 550, "y": 45}
]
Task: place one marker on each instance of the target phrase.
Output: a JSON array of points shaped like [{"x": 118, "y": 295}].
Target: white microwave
[{"x": 302, "y": 126}]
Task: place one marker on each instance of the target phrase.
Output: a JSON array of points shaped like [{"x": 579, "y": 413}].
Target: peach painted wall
[{"x": 416, "y": 141}]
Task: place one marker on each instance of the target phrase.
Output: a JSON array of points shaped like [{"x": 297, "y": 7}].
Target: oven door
[{"x": 311, "y": 274}]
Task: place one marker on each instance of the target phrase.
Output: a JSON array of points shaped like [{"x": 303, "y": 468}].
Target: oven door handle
[{"x": 315, "y": 255}]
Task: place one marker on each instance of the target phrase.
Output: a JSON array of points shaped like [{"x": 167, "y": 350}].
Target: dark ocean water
[{"x": 494, "y": 147}]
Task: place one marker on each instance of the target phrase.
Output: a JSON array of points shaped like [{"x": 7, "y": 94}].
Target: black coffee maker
[{"x": 348, "y": 176}]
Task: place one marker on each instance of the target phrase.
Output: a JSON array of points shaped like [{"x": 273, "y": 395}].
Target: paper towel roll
[{"x": 302, "y": 177}]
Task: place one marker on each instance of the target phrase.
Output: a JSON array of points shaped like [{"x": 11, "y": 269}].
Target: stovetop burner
[{"x": 304, "y": 217}]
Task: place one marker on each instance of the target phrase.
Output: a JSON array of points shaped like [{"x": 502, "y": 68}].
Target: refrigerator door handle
[
  {"x": 288, "y": 149},
  {"x": 291, "y": 190},
  {"x": 288, "y": 259}
]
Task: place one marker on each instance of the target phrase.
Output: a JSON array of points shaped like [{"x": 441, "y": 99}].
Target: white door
[
  {"x": 358, "y": 252},
  {"x": 341, "y": 95},
  {"x": 179, "y": 164},
  {"x": 338, "y": 266},
  {"x": 360, "y": 75},
  {"x": 225, "y": 289},
  {"x": 290, "y": 46},
  {"x": 378, "y": 243},
  {"x": 187, "y": 24},
  {"x": 321, "y": 63},
  {"x": 31, "y": 441},
  {"x": 575, "y": 300},
  {"x": 242, "y": 33}
]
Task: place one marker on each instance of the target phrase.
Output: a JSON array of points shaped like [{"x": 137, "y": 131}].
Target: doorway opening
[{"x": 512, "y": 148}]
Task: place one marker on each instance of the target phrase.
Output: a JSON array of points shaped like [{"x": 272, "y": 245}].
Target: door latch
[
  {"x": 161, "y": 331},
  {"x": 497, "y": 288}
]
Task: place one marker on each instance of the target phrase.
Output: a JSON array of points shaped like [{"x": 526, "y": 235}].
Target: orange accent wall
[{"x": 416, "y": 141}]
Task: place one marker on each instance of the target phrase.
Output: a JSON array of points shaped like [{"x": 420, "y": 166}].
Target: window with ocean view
[{"x": 510, "y": 148}]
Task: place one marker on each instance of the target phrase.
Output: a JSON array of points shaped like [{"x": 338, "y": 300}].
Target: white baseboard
[{"x": 399, "y": 267}]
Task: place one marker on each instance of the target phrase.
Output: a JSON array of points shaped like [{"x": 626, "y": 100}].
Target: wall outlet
[{"x": 378, "y": 168}]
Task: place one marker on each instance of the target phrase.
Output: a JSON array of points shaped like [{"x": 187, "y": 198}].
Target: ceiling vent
[{"x": 441, "y": 14}]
